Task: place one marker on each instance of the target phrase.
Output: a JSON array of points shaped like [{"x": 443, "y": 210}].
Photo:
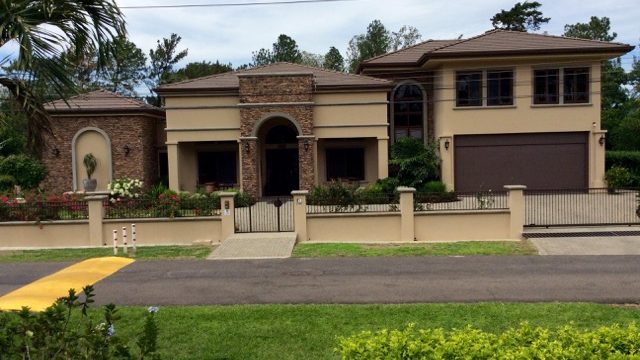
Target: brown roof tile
[
  {"x": 410, "y": 54},
  {"x": 99, "y": 100},
  {"x": 229, "y": 80}
]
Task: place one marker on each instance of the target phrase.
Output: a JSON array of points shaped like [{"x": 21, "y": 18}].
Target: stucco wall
[
  {"x": 466, "y": 226},
  {"x": 46, "y": 234},
  {"x": 179, "y": 231},
  {"x": 364, "y": 227}
]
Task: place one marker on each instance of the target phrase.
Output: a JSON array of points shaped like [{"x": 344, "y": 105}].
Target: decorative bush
[
  {"x": 414, "y": 163},
  {"x": 7, "y": 182},
  {"x": 626, "y": 159},
  {"x": 39, "y": 207},
  {"x": 26, "y": 171},
  {"x": 125, "y": 188},
  {"x": 618, "y": 177},
  {"x": 433, "y": 187},
  {"x": 66, "y": 330},
  {"x": 523, "y": 342}
]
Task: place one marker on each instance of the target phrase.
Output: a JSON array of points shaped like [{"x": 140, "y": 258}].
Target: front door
[{"x": 281, "y": 171}]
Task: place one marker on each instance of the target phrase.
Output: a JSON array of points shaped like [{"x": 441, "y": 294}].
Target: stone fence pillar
[
  {"x": 96, "y": 215},
  {"x": 516, "y": 207},
  {"x": 227, "y": 214},
  {"x": 300, "y": 214},
  {"x": 407, "y": 229}
]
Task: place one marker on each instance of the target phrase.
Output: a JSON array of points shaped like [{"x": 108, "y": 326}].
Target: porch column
[
  {"x": 516, "y": 208},
  {"x": 383, "y": 158},
  {"x": 407, "y": 229},
  {"x": 306, "y": 161},
  {"x": 300, "y": 214},
  {"x": 227, "y": 210},
  {"x": 249, "y": 165},
  {"x": 172, "y": 159}
]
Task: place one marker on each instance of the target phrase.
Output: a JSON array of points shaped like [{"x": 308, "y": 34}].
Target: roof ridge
[
  {"x": 335, "y": 71},
  {"x": 574, "y": 38},
  {"x": 464, "y": 40}
]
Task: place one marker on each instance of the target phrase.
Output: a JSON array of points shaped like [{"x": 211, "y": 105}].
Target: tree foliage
[
  {"x": 125, "y": 69},
  {"x": 414, "y": 163},
  {"x": 405, "y": 37},
  {"x": 333, "y": 60},
  {"x": 521, "y": 17},
  {"x": 285, "y": 49},
  {"x": 199, "y": 69},
  {"x": 596, "y": 29},
  {"x": 162, "y": 59}
]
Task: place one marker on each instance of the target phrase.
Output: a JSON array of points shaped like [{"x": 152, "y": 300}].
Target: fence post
[
  {"x": 96, "y": 215},
  {"x": 407, "y": 229},
  {"x": 300, "y": 214},
  {"x": 516, "y": 208},
  {"x": 227, "y": 213}
]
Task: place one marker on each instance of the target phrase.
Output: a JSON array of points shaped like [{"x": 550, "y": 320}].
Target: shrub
[
  {"x": 618, "y": 177},
  {"x": 626, "y": 159},
  {"x": 415, "y": 164},
  {"x": 125, "y": 188},
  {"x": 434, "y": 187},
  {"x": 523, "y": 342},
  {"x": 67, "y": 330},
  {"x": 27, "y": 171},
  {"x": 386, "y": 185},
  {"x": 334, "y": 193},
  {"x": 7, "y": 182},
  {"x": 90, "y": 163},
  {"x": 625, "y": 135}
]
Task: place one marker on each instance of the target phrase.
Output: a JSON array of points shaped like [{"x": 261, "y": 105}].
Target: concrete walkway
[
  {"x": 255, "y": 246},
  {"x": 618, "y": 240}
]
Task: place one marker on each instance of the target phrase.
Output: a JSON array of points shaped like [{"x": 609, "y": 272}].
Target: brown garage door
[{"x": 539, "y": 161}]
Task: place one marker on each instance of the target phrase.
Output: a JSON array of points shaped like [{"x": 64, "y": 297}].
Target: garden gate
[{"x": 268, "y": 214}]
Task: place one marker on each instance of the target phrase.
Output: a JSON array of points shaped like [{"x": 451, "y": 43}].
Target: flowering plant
[{"x": 125, "y": 188}]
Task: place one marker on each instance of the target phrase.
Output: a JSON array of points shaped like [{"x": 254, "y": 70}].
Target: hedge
[
  {"x": 523, "y": 342},
  {"x": 627, "y": 159}
]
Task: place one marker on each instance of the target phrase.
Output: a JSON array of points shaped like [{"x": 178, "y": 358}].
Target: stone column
[
  {"x": 407, "y": 229},
  {"x": 306, "y": 160},
  {"x": 172, "y": 159},
  {"x": 227, "y": 214},
  {"x": 516, "y": 208},
  {"x": 96, "y": 215},
  {"x": 383, "y": 158},
  {"x": 300, "y": 214},
  {"x": 249, "y": 165}
]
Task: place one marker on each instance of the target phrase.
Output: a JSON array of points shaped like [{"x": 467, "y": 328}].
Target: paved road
[
  {"x": 13, "y": 276},
  {"x": 606, "y": 279}
]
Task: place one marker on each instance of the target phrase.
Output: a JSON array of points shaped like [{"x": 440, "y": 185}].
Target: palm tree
[{"x": 43, "y": 30}]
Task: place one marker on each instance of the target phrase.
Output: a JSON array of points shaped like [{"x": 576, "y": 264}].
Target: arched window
[{"x": 408, "y": 112}]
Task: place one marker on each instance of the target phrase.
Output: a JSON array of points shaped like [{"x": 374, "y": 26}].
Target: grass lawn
[
  {"x": 143, "y": 252},
  {"x": 310, "y": 331},
  {"x": 437, "y": 249}
]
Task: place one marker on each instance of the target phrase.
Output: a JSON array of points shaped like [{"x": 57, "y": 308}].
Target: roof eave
[{"x": 105, "y": 111}]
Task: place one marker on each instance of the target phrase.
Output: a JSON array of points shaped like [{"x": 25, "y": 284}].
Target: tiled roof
[
  {"x": 99, "y": 100},
  {"x": 229, "y": 80},
  {"x": 496, "y": 43}
]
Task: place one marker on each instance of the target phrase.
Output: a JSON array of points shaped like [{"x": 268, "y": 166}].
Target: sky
[{"x": 231, "y": 34}]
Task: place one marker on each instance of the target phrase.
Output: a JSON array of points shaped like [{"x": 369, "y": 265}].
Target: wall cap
[
  {"x": 405, "y": 189},
  {"x": 227, "y": 194},
  {"x": 515, "y": 187},
  {"x": 96, "y": 197},
  {"x": 300, "y": 192}
]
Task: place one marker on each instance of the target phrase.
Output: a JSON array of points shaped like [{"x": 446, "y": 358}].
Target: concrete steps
[{"x": 255, "y": 246}]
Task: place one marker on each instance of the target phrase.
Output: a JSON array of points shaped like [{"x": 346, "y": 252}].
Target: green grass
[
  {"x": 309, "y": 331},
  {"x": 434, "y": 249},
  {"x": 144, "y": 252}
]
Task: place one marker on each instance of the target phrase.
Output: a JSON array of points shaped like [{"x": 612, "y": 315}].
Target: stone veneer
[
  {"x": 137, "y": 131},
  {"x": 274, "y": 95}
]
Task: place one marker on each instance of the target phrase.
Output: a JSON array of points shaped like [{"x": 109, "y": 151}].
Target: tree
[
  {"x": 405, "y": 37},
  {"x": 125, "y": 69},
  {"x": 311, "y": 59},
  {"x": 596, "y": 29},
  {"x": 43, "y": 30},
  {"x": 333, "y": 60},
  {"x": 522, "y": 17},
  {"x": 376, "y": 41},
  {"x": 285, "y": 49},
  {"x": 162, "y": 60},
  {"x": 199, "y": 69}
]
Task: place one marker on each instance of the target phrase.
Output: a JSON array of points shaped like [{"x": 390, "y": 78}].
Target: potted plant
[{"x": 90, "y": 163}]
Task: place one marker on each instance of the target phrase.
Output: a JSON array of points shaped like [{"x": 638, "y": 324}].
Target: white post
[
  {"x": 124, "y": 239},
  {"x": 133, "y": 236},
  {"x": 115, "y": 242}
]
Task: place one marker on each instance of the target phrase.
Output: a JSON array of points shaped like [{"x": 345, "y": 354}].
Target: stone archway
[{"x": 278, "y": 156}]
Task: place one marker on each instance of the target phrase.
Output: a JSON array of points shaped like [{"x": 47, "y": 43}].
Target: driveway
[{"x": 619, "y": 240}]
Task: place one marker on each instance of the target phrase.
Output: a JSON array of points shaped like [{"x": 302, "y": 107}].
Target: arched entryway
[{"x": 279, "y": 157}]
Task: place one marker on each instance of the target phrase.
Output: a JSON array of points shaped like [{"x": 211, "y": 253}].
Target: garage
[{"x": 537, "y": 160}]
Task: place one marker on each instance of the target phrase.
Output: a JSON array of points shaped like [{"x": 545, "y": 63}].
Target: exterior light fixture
[
  {"x": 601, "y": 140},
  {"x": 127, "y": 150},
  {"x": 306, "y": 145},
  {"x": 55, "y": 152},
  {"x": 447, "y": 143}
]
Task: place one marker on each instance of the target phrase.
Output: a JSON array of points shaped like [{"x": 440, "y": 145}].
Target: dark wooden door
[{"x": 281, "y": 171}]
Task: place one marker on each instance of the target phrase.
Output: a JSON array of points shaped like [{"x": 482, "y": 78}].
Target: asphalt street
[{"x": 605, "y": 279}]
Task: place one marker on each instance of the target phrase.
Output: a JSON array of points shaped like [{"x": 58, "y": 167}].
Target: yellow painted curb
[{"x": 41, "y": 293}]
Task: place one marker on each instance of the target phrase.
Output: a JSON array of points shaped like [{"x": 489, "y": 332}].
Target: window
[
  {"x": 218, "y": 167},
  {"x": 469, "y": 88},
  {"x": 408, "y": 112},
  {"x": 576, "y": 85},
  {"x": 546, "y": 86},
  {"x": 345, "y": 164},
  {"x": 499, "y": 88}
]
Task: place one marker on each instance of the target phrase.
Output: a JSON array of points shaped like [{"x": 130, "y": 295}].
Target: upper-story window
[
  {"x": 484, "y": 88},
  {"x": 549, "y": 90},
  {"x": 408, "y": 111}
]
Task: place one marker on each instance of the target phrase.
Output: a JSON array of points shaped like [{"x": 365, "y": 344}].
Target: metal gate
[
  {"x": 545, "y": 208},
  {"x": 268, "y": 214}
]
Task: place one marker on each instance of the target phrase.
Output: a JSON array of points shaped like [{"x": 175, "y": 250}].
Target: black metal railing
[
  {"x": 161, "y": 208},
  {"x": 458, "y": 201},
  {"x": 598, "y": 206},
  {"x": 19, "y": 210},
  {"x": 356, "y": 204},
  {"x": 266, "y": 214}
]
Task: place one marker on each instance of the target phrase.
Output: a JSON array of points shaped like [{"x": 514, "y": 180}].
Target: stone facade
[
  {"x": 263, "y": 97},
  {"x": 137, "y": 131}
]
